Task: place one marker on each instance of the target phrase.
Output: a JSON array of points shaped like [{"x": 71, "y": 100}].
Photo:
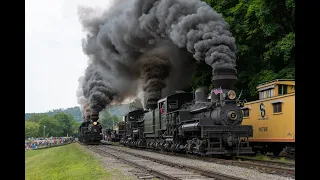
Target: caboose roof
[{"x": 276, "y": 82}]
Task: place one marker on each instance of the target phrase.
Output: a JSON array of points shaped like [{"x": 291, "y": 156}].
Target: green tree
[
  {"x": 36, "y": 117},
  {"x": 202, "y": 75},
  {"x": 31, "y": 129},
  {"x": 75, "y": 128},
  {"x": 265, "y": 38},
  {"x": 65, "y": 123},
  {"x": 50, "y": 126},
  {"x": 107, "y": 120}
]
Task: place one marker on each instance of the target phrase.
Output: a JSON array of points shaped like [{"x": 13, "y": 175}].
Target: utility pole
[{"x": 44, "y": 131}]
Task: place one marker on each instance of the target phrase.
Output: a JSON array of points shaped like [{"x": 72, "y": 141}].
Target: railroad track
[
  {"x": 270, "y": 167},
  {"x": 266, "y": 168},
  {"x": 162, "y": 169}
]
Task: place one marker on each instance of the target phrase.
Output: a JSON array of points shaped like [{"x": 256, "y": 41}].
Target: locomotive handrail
[{"x": 199, "y": 110}]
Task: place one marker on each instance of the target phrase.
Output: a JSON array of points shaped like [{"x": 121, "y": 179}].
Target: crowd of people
[{"x": 35, "y": 143}]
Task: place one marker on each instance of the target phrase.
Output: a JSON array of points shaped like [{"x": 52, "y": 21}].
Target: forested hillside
[
  {"x": 42, "y": 125},
  {"x": 73, "y": 111},
  {"x": 117, "y": 110},
  {"x": 265, "y": 37}
]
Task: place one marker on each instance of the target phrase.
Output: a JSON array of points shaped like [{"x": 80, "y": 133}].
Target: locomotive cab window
[
  {"x": 246, "y": 112},
  {"x": 173, "y": 104},
  {"x": 277, "y": 107}
]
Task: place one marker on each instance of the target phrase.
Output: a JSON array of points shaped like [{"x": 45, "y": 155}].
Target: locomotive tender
[{"x": 182, "y": 122}]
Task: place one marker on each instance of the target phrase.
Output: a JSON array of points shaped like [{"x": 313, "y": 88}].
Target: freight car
[
  {"x": 90, "y": 131},
  {"x": 182, "y": 122},
  {"x": 273, "y": 118}
]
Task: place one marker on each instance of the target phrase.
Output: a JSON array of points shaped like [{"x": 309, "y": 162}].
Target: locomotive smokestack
[
  {"x": 94, "y": 117},
  {"x": 151, "y": 104},
  {"x": 224, "y": 77},
  {"x": 152, "y": 98}
]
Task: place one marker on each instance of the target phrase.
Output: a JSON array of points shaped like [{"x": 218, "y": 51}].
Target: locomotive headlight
[
  {"x": 94, "y": 123},
  {"x": 232, "y": 95}
]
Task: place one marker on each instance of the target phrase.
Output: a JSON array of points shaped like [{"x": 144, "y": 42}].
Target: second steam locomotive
[{"x": 190, "y": 123}]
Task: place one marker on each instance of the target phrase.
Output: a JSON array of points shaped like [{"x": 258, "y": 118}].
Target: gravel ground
[
  {"x": 118, "y": 169},
  {"x": 172, "y": 171},
  {"x": 245, "y": 173}
]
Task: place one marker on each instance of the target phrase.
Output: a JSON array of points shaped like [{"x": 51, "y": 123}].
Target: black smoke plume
[{"x": 131, "y": 47}]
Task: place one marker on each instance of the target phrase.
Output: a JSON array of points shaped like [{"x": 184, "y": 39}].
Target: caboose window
[
  {"x": 245, "y": 112},
  {"x": 277, "y": 107},
  {"x": 282, "y": 89}
]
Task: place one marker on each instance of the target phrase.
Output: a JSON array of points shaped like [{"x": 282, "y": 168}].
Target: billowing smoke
[
  {"x": 83, "y": 101},
  {"x": 145, "y": 45},
  {"x": 157, "y": 64}
]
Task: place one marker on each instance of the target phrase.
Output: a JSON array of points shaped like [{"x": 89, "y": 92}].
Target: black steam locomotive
[
  {"x": 90, "y": 131},
  {"x": 191, "y": 123}
]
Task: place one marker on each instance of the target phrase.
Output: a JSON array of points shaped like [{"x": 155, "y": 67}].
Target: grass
[
  {"x": 266, "y": 158},
  {"x": 67, "y": 162},
  {"x": 262, "y": 157}
]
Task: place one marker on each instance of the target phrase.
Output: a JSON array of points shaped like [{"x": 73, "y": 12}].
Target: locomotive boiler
[{"x": 191, "y": 123}]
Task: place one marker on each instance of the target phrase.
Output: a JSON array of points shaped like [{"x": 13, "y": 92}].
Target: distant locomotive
[
  {"x": 110, "y": 135},
  {"x": 181, "y": 122},
  {"x": 90, "y": 131}
]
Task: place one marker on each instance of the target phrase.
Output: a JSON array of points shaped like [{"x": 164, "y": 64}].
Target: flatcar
[{"x": 272, "y": 118}]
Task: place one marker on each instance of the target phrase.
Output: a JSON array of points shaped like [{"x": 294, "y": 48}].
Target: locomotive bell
[{"x": 224, "y": 77}]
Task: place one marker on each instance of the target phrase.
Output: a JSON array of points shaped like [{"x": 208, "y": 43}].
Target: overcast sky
[{"x": 54, "y": 58}]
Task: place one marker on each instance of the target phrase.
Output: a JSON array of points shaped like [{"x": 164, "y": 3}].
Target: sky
[{"x": 54, "y": 58}]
